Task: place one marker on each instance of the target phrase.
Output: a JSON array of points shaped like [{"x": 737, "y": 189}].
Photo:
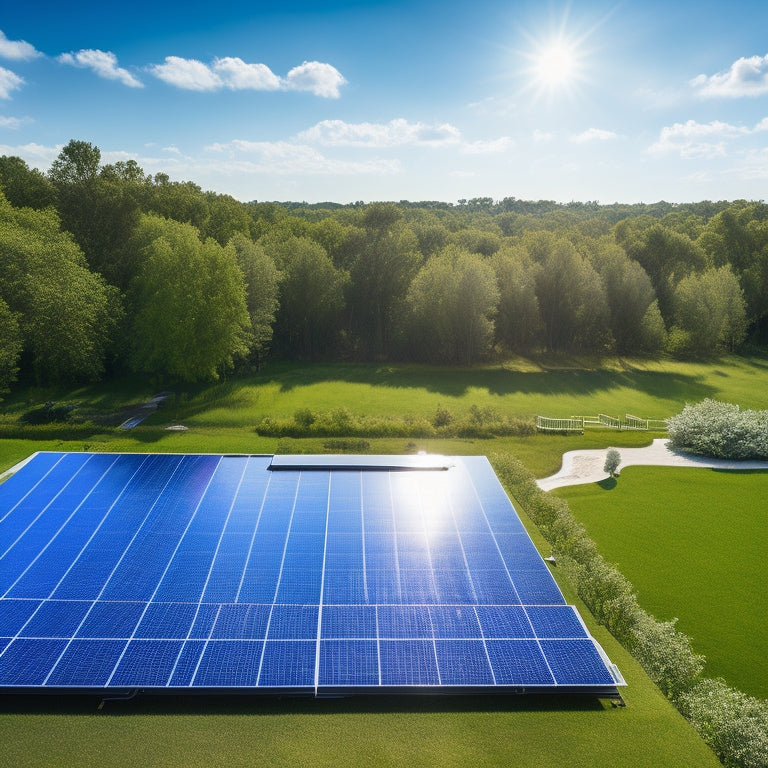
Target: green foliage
[
  {"x": 190, "y": 319},
  {"x": 10, "y": 346},
  {"x": 452, "y": 301},
  {"x": 665, "y": 654},
  {"x": 66, "y": 314},
  {"x": 721, "y": 430},
  {"x": 612, "y": 461},
  {"x": 262, "y": 285},
  {"x": 25, "y": 187},
  {"x": 311, "y": 296},
  {"x": 518, "y": 320},
  {"x": 733, "y": 724},
  {"x": 709, "y": 307}
]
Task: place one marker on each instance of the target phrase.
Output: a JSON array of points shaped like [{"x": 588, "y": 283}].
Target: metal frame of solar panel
[{"x": 122, "y": 573}]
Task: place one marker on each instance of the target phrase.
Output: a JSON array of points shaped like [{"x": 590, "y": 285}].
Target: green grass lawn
[
  {"x": 423, "y": 731},
  {"x": 693, "y": 543}
]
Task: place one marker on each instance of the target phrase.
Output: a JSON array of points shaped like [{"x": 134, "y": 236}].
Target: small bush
[
  {"x": 442, "y": 417},
  {"x": 304, "y": 418},
  {"x": 720, "y": 430},
  {"x": 612, "y": 461}
]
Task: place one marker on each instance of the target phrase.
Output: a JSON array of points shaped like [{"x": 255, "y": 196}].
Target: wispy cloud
[
  {"x": 746, "y": 77},
  {"x": 286, "y": 157},
  {"x": 14, "y": 122},
  {"x": 488, "y": 147},
  {"x": 543, "y": 137},
  {"x": 700, "y": 140},
  {"x": 103, "y": 63},
  {"x": 593, "y": 134},
  {"x": 9, "y": 81},
  {"x": 396, "y": 133},
  {"x": 36, "y": 155},
  {"x": 235, "y": 74},
  {"x": 17, "y": 50}
]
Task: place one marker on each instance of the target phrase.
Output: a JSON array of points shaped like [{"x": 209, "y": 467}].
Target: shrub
[
  {"x": 666, "y": 655},
  {"x": 442, "y": 418},
  {"x": 304, "y": 418},
  {"x": 733, "y": 724},
  {"x": 720, "y": 430}
]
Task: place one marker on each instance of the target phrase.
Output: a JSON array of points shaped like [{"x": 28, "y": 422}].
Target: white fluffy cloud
[
  {"x": 593, "y": 134},
  {"x": 395, "y": 133},
  {"x": 746, "y": 77},
  {"x": 316, "y": 77},
  {"x": 103, "y": 63},
  {"x": 189, "y": 74},
  {"x": 237, "y": 75},
  {"x": 9, "y": 81},
  {"x": 703, "y": 140},
  {"x": 17, "y": 50}
]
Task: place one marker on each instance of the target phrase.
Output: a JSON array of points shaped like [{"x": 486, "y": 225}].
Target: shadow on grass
[
  {"x": 78, "y": 704},
  {"x": 608, "y": 484}
]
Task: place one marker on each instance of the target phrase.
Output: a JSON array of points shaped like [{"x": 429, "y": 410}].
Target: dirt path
[{"x": 587, "y": 466}]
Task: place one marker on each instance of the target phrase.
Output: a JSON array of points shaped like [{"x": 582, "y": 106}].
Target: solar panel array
[{"x": 180, "y": 573}]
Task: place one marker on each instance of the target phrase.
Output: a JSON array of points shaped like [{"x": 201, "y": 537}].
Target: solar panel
[{"x": 333, "y": 575}]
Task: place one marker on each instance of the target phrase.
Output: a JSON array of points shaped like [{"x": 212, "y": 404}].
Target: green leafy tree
[
  {"x": 10, "y": 346},
  {"x": 667, "y": 257},
  {"x": 261, "y": 291},
  {"x": 572, "y": 300},
  {"x": 188, "y": 302},
  {"x": 99, "y": 206},
  {"x": 311, "y": 298},
  {"x": 67, "y": 315},
  {"x": 612, "y": 461},
  {"x": 25, "y": 187},
  {"x": 518, "y": 321},
  {"x": 709, "y": 307},
  {"x": 452, "y": 301},
  {"x": 379, "y": 277},
  {"x": 629, "y": 294}
]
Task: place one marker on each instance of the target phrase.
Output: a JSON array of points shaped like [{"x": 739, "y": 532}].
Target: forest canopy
[{"x": 108, "y": 270}]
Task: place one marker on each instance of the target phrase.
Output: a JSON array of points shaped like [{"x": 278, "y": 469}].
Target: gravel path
[{"x": 587, "y": 466}]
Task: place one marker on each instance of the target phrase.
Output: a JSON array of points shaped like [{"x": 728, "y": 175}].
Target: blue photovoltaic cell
[{"x": 333, "y": 574}]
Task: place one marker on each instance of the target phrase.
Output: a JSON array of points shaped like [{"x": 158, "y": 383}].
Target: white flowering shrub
[
  {"x": 720, "y": 430},
  {"x": 733, "y": 724}
]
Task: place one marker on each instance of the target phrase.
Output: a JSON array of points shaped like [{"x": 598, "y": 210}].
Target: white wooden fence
[{"x": 579, "y": 423}]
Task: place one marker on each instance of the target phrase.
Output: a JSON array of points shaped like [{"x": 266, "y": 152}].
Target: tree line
[{"x": 106, "y": 269}]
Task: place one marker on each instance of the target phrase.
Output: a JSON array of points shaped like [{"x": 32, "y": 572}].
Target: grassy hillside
[{"x": 692, "y": 542}]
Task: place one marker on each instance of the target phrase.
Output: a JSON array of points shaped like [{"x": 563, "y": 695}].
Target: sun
[{"x": 556, "y": 65}]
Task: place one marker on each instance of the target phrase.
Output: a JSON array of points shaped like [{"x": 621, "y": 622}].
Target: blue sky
[{"x": 633, "y": 101}]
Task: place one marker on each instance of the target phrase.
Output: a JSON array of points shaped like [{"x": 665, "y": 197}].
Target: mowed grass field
[
  {"x": 693, "y": 543},
  {"x": 423, "y": 731}
]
